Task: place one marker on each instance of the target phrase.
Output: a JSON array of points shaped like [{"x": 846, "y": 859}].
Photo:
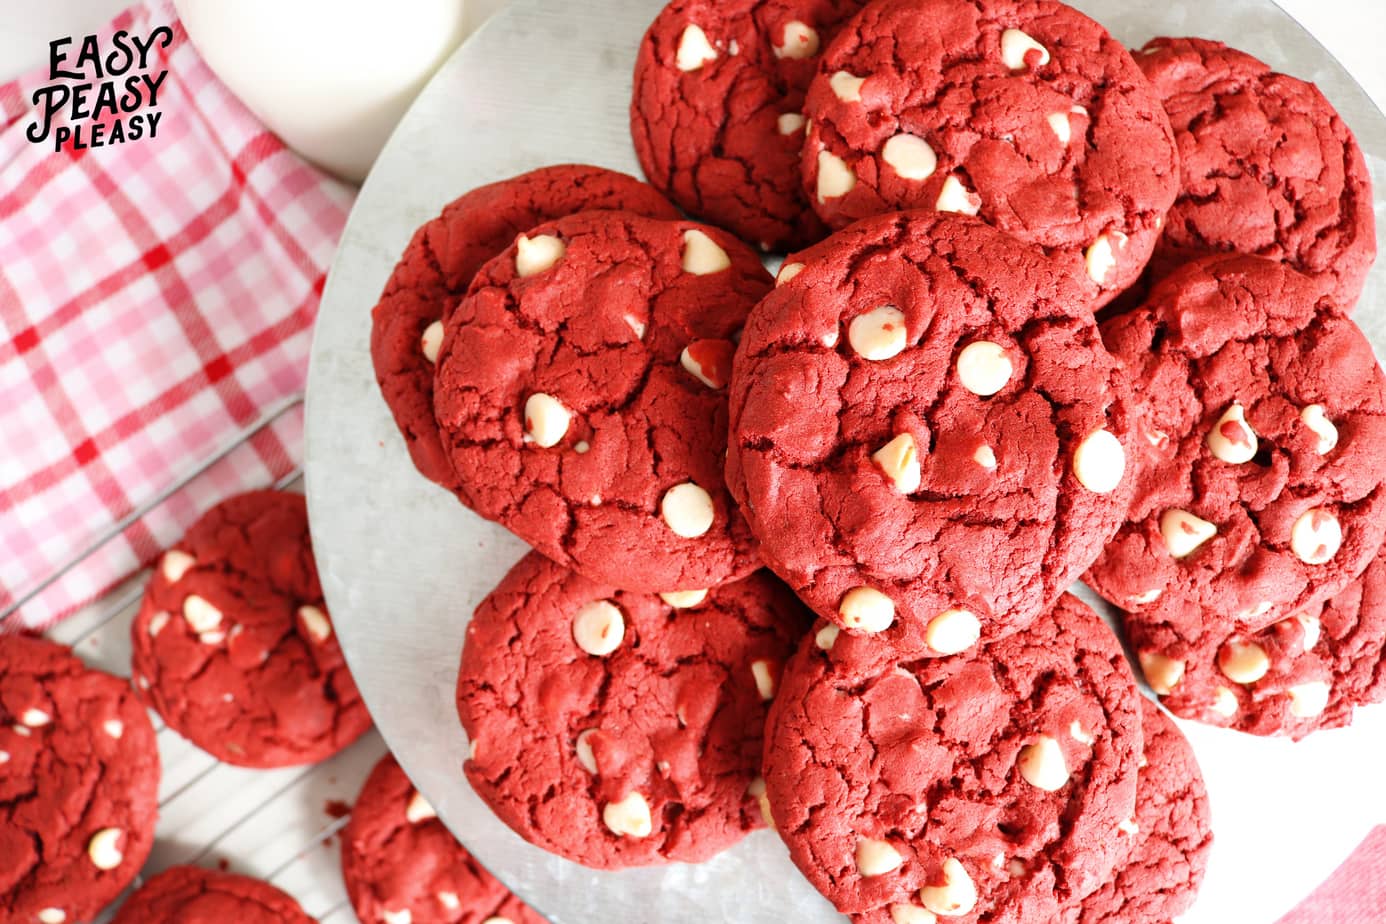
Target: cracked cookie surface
[
  {"x": 716, "y": 113},
  {"x": 1267, "y": 167},
  {"x": 581, "y": 393},
  {"x": 1260, "y": 485},
  {"x": 1168, "y": 851},
  {"x": 191, "y": 895},
  {"x": 928, "y": 437},
  {"x": 987, "y": 788},
  {"x": 233, "y": 644},
  {"x": 439, "y": 263},
  {"x": 1024, "y": 112},
  {"x": 79, "y": 780},
  {"x": 614, "y": 729},
  {"x": 400, "y": 861}
]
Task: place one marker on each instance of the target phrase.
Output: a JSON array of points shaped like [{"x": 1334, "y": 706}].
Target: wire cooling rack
[{"x": 276, "y": 825}]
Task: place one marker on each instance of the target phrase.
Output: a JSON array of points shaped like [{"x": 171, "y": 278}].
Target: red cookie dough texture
[
  {"x": 985, "y": 788},
  {"x": 1169, "y": 837},
  {"x": 401, "y": 864},
  {"x": 928, "y": 437},
  {"x": 620, "y": 729},
  {"x": 1260, "y": 489},
  {"x": 581, "y": 392},
  {"x": 191, "y": 895},
  {"x": 1303, "y": 673},
  {"x": 79, "y": 781},
  {"x": 233, "y": 644},
  {"x": 1267, "y": 167},
  {"x": 1024, "y": 112},
  {"x": 716, "y": 114},
  {"x": 438, "y": 265}
]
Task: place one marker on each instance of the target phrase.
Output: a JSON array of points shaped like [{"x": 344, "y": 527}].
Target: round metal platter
[{"x": 403, "y": 565}]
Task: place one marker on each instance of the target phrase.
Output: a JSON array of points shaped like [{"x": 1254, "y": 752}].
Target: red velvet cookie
[
  {"x": 439, "y": 264},
  {"x": 1267, "y": 167},
  {"x": 715, "y": 117},
  {"x": 928, "y": 437},
  {"x": 1260, "y": 488},
  {"x": 581, "y": 393},
  {"x": 400, "y": 862},
  {"x": 1024, "y": 112},
  {"x": 987, "y": 788},
  {"x": 79, "y": 782},
  {"x": 619, "y": 729},
  {"x": 1306, "y": 672},
  {"x": 233, "y": 645},
  {"x": 191, "y": 895},
  {"x": 1169, "y": 837}
]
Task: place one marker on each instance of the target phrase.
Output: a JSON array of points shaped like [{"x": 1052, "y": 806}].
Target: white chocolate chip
[
  {"x": 1100, "y": 259},
  {"x": 1308, "y": 700},
  {"x": 1147, "y": 596},
  {"x": 175, "y": 564},
  {"x": 733, "y": 48},
  {"x": 1163, "y": 673},
  {"x": 788, "y": 272},
  {"x": 955, "y": 197},
  {"x": 35, "y": 718},
  {"x": 687, "y": 509},
  {"x": 497, "y": 919},
  {"x": 953, "y": 631},
  {"x": 956, "y": 896},
  {"x": 599, "y": 628},
  {"x": 876, "y": 858},
  {"x": 902, "y": 913},
  {"x": 764, "y": 673},
  {"x": 21, "y": 731},
  {"x": 826, "y": 637},
  {"x": 879, "y": 334},
  {"x": 1016, "y": 47},
  {"x": 212, "y": 638},
  {"x": 708, "y": 361},
  {"x": 1184, "y": 533},
  {"x": 1224, "y": 702},
  {"x": 546, "y": 420},
  {"x": 537, "y": 254},
  {"x": 583, "y": 747},
  {"x": 1059, "y": 123},
  {"x": 1078, "y": 733},
  {"x": 683, "y": 599},
  {"x": 418, "y": 809},
  {"x": 1243, "y": 662},
  {"x": 114, "y": 728},
  {"x": 630, "y": 817},
  {"x": 984, "y": 368},
  {"x": 1232, "y": 439},
  {"x": 636, "y": 325},
  {"x": 431, "y": 340},
  {"x": 52, "y": 916},
  {"x": 1315, "y": 417},
  {"x": 104, "y": 848},
  {"x": 702, "y": 256},
  {"x": 899, "y": 459},
  {"x": 472, "y": 747},
  {"x": 846, "y": 86},
  {"x": 985, "y": 456},
  {"x": 581, "y": 447},
  {"x": 866, "y": 609},
  {"x": 157, "y": 623},
  {"x": 800, "y": 41},
  {"x": 1254, "y": 612},
  {"x": 694, "y": 49},
  {"x": 4, "y": 757},
  {"x": 201, "y": 615},
  {"x": 756, "y": 790},
  {"x": 1312, "y": 629},
  {"x": 791, "y": 123},
  {"x": 449, "y": 900},
  {"x": 1129, "y": 827},
  {"x": 1042, "y": 764},
  {"x": 1099, "y": 462},
  {"x": 1316, "y": 536},
  {"x": 910, "y": 156},
  {"x": 403, "y": 916},
  {"x": 835, "y": 178},
  {"x": 316, "y": 622}
]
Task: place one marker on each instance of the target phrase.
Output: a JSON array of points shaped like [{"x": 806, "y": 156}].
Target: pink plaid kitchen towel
[{"x": 156, "y": 296}]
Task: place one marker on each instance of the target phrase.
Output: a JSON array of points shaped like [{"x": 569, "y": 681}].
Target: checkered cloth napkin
[{"x": 156, "y": 297}]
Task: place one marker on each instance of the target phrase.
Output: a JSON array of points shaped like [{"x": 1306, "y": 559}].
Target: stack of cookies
[{"x": 803, "y": 544}]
